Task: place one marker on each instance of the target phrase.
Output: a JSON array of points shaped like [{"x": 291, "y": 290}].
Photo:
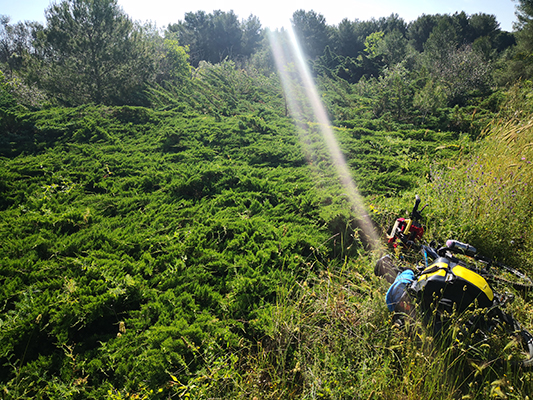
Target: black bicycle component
[
  {"x": 462, "y": 248},
  {"x": 416, "y": 215},
  {"x": 498, "y": 323},
  {"x": 510, "y": 276},
  {"x": 527, "y": 339}
]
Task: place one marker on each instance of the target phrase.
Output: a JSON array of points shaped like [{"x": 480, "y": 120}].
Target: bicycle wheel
[{"x": 510, "y": 276}]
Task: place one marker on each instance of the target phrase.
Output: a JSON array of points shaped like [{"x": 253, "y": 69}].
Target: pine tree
[{"x": 94, "y": 53}]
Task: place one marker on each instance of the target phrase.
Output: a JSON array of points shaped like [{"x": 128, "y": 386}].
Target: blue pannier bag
[{"x": 398, "y": 289}]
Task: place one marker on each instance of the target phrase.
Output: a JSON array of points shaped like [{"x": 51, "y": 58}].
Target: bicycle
[
  {"x": 409, "y": 232},
  {"x": 452, "y": 280}
]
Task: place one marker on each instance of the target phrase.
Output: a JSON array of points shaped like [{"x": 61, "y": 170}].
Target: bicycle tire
[{"x": 510, "y": 276}]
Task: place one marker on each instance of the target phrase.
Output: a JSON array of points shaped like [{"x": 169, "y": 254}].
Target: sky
[{"x": 276, "y": 14}]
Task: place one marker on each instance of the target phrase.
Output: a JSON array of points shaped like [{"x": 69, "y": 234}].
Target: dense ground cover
[
  {"x": 197, "y": 248},
  {"x": 201, "y": 245}
]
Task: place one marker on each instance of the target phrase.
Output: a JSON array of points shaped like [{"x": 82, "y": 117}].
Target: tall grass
[
  {"x": 331, "y": 337},
  {"x": 485, "y": 197}
]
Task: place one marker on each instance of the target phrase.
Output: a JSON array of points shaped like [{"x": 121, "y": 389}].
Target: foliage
[
  {"x": 175, "y": 64},
  {"x": 312, "y": 30},
  {"x": 91, "y": 72},
  {"x": 489, "y": 190},
  {"x": 131, "y": 260},
  {"x": 16, "y": 58},
  {"x": 6, "y": 99},
  {"x": 461, "y": 73},
  {"x": 141, "y": 246},
  {"x": 372, "y": 42},
  {"x": 204, "y": 247},
  {"x": 13, "y": 44},
  {"x": 92, "y": 52},
  {"x": 518, "y": 63},
  {"x": 217, "y": 36}
]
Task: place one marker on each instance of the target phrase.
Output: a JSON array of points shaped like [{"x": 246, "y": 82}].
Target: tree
[
  {"x": 418, "y": 31},
  {"x": 347, "y": 41},
  {"x": 458, "y": 70},
  {"x": 461, "y": 73},
  {"x": 442, "y": 41},
  {"x": 519, "y": 61},
  {"x": 6, "y": 99},
  {"x": 395, "y": 93},
  {"x": 15, "y": 45},
  {"x": 94, "y": 53},
  {"x": 312, "y": 32},
  {"x": 392, "y": 23},
  {"x": 195, "y": 32},
  {"x": 174, "y": 66},
  {"x": 503, "y": 41},
  {"x": 328, "y": 63},
  {"x": 393, "y": 48},
  {"x": 226, "y": 37},
  {"x": 460, "y": 24},
  {"x": 371, "y": 60},
  {"x": 524, "y": 14},
  {"x": 251, "y": 35},
  {"x": 484, "y": 25},
  {"x": 487, "y": 36},
  {"x": 214, "y": 37},
  {"x": 524, "y": 27},
  {"x": 17, "y": 59},
  {"x": 373, "y": 43}
]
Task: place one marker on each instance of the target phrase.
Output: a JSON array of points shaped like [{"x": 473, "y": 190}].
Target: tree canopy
[
  {"x": 91, "y": 51},
  {"x": 217, "y": 36}
]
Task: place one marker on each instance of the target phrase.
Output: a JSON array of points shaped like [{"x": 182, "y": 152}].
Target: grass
[
  {"x": 331, "y": 336},
  {"x": 191, "y": 252},
  {"x": 488, "y": 191}
]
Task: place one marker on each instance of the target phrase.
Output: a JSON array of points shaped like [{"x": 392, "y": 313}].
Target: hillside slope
[{"x": 143, "y": 247}]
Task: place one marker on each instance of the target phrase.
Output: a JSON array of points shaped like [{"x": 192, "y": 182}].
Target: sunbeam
[{"x": 284, "y": 56}]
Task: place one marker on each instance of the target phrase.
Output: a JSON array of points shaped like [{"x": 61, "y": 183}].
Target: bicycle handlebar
[{"x": 460, "y": 247}]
